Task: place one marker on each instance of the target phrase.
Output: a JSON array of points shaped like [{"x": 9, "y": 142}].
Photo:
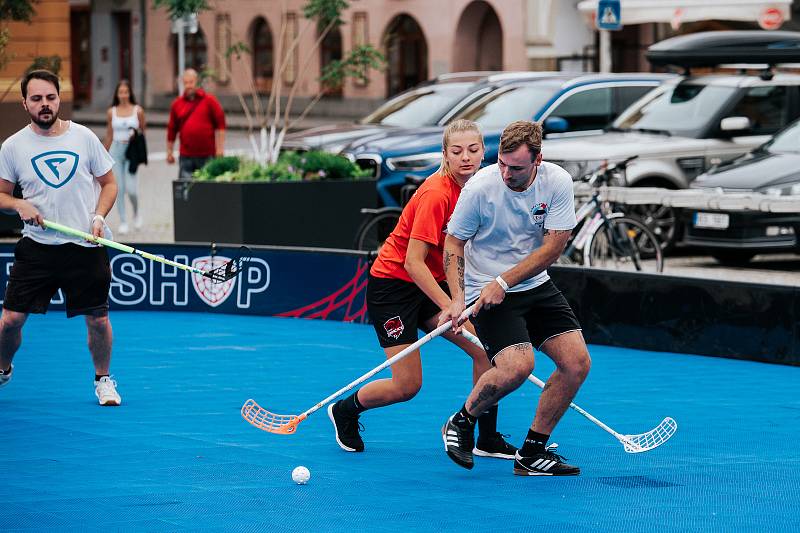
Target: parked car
[
  {"x": 568, "y": 104},
  {"x": 692, "y": 123},
  {"x": 432, "y": 103},
  {"x": 735, "y": 237}
]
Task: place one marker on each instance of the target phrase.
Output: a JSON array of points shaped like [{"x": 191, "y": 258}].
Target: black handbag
[{"x": 136, "y": 152}]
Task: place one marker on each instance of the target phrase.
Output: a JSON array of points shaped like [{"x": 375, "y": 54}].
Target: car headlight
[
  {"x": 578, "y": 169},
  {"x": 791, "y": 189},
  {"x": 415, "y": 163}
]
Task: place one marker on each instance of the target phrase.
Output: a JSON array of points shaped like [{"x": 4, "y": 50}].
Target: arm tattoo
[
  {"x": 460, "y": 264},
  {"x": 447, "y": 256},
  {"x": 555, "y": 232},
  {"x": 487, "y": 394}
]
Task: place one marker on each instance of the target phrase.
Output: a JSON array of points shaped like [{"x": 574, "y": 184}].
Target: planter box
[{"x": 324, "y": 214}]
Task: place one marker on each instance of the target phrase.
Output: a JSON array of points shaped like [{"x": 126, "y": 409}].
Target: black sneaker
[
  {"x": 458, "y": 442},
  {"x": 347, "y": 428},
  {"x": 494, "y": 446},
  {"x": 547, "y": 463}
]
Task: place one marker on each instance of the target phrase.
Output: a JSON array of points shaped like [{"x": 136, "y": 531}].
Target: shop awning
[{"x": 769, "y": 14}]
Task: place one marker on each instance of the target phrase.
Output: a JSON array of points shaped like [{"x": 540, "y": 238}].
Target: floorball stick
[
  {"x": 642, "y": 442},
  {"x": 220, "y": 274},
  {"x": 287, "y": 424}
]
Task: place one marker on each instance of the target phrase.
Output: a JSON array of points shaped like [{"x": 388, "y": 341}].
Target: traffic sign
[{"x": 609, "y": 15}]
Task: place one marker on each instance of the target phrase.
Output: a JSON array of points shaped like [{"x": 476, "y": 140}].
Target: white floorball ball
[{"x": 301, "y": 475}]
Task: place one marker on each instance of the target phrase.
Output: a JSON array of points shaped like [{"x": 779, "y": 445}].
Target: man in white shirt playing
[
  {"x": 65, "y": 175},
  {"x": 512, "y": 221}
]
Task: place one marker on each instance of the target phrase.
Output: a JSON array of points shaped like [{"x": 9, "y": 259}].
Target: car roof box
[{"x": 713, "y": 48}]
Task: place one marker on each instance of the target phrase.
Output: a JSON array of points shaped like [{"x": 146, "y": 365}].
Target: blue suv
[{"x": 569, "y": 104}]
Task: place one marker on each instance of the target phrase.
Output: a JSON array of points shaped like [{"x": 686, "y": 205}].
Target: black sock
[
  {"x": 462, "y": 417},
  {"x": 487, "y": 423},
  {"x": 98, "y": 376},
  {"x": 534, "y": 443},
  {"x": 350, "y": 406}
]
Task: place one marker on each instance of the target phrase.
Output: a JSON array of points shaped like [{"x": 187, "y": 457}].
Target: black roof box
[{"x": 712, "y": 48}]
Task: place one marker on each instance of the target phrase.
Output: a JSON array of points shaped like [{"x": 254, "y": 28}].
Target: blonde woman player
[{"x": 407, "y": 291}]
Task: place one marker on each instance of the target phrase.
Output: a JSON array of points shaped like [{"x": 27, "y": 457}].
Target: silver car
[{"x": 681, "y": 129}]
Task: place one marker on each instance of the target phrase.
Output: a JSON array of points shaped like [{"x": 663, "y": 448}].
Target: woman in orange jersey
[{"x": 407, "y": 291}]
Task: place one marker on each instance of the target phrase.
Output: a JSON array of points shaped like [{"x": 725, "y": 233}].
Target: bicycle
[
  {"x": 609, "y": 239},
  {"x": 380, "y": 222}
]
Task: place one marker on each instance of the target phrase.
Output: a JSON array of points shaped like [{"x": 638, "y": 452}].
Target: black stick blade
[{"x": 231, "y": 269}]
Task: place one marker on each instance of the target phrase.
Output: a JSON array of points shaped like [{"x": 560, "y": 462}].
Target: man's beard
[{"x": 42, "y": 123}]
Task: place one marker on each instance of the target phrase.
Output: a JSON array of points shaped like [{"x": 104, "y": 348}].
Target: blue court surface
[{"x": 177, "y": 455}]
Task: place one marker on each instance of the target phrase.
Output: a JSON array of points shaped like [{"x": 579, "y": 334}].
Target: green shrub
[{"x": 291, "y": 166}]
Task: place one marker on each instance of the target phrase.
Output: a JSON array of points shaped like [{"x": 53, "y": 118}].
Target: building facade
[
  {"x": 46, "y": 36},
  {"x": 419, "y": 38}
]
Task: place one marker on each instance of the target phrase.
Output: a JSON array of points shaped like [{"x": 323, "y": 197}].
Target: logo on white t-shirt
[
  {"x": 538, "y": 213},
  {"x": 55, "y": 168}
]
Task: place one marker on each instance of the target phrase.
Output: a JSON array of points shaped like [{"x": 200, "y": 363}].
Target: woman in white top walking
[{"x": 123, "y": 117}]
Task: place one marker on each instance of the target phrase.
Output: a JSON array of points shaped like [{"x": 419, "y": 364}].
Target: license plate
[{"x": 712, "y": 220}]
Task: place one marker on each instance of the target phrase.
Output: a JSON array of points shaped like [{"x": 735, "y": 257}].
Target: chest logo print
[
  {"x": 55, "y": 168},
  {"x": 538, "y": 213}
]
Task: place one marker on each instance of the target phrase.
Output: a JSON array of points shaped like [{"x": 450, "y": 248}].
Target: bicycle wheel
[
  {"x": 375, "y": 230},
  {"x": 623, "y": 243}
]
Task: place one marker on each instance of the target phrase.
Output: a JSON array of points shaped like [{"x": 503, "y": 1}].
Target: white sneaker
[
  {"x": 5, "y": 378},
  {"x": 137, "y": 222},
  {"x": 123, "y": 228},
  {"x": 106, "y": 391}
]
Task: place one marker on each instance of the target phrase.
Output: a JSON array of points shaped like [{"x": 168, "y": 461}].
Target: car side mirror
[
  {"x": 733, "y": 124},
  {"x": 555, "y": 125}
]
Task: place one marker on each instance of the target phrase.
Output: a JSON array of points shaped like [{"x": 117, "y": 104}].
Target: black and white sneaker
[
  {"x": 547, "y": 463},
  {"x": 458, "y": 442},
  {"x": 494, "y": 446},
  {"x": 347, "y": 429}
]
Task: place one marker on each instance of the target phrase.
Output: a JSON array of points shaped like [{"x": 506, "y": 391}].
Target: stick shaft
[
  {"x": 118, "y": 246},
  {"x": 389, "y": 362},
  {"x": 539, "y": 383}
]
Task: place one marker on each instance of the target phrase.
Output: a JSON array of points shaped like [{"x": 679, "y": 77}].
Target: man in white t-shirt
[
  {"x": 65, "y": 175},
  {"x": 512, "y": 221}
]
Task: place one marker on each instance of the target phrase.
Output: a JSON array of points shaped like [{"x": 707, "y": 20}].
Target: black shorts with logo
[
  {"x": 397, "y": 309},
  {"x": 531, "y": 316},
  {"x": 82, "y": 273}
]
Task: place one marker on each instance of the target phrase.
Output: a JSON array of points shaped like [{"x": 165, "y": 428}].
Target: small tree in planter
[{"x": 268, "y": 124}]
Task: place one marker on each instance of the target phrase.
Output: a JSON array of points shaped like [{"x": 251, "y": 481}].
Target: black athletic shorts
[
  {"x": 82, "y": 273},
  {"x": 397, "y": 309},
  {"x": 533, "y": 316}
]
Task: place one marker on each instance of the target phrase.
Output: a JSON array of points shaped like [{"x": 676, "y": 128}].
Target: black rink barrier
[{"x": 659, "y": 312}]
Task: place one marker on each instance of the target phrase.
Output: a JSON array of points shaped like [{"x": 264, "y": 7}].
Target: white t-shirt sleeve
[
  {"x": 7, "y": 171},
  {"x": 465, "y": 219},
  {"x": 100, "y": 161},
  {"x": 562, "y": 210}
]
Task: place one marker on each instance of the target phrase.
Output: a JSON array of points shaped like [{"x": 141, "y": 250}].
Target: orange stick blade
[{"x": 271, "y": 422}]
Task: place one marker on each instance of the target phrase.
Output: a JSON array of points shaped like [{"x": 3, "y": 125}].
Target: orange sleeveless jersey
[{"x": 424, "y": 218}]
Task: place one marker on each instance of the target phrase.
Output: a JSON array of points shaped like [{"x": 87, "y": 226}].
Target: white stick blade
[{"x": 652, "y": 439}]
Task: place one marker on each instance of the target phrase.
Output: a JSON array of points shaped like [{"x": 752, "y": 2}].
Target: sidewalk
[{"x": 234, "y": 121}]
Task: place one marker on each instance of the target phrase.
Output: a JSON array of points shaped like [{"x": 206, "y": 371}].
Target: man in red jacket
[{"x": 199, "y": 120}]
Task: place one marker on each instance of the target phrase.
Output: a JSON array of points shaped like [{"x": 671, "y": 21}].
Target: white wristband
[
  {"x": 101, "y": 217},
  {"x": 500, "y": 281}
]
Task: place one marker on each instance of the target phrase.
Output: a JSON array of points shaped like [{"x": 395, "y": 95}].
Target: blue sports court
[{"x": 178, "y": 456}]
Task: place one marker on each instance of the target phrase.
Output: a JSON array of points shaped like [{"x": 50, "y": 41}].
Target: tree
[
  {"x": 181, "y": 8},
  {"x": 267, "y": 125}
]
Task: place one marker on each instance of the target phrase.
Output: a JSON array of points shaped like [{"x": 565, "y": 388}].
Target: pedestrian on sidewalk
[
  {"x": 197, "y": 118},
  {"x": 124, "y": 120}
]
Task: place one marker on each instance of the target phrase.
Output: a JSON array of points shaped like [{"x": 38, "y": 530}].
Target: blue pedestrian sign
[{"x": 609, "y": 15}]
